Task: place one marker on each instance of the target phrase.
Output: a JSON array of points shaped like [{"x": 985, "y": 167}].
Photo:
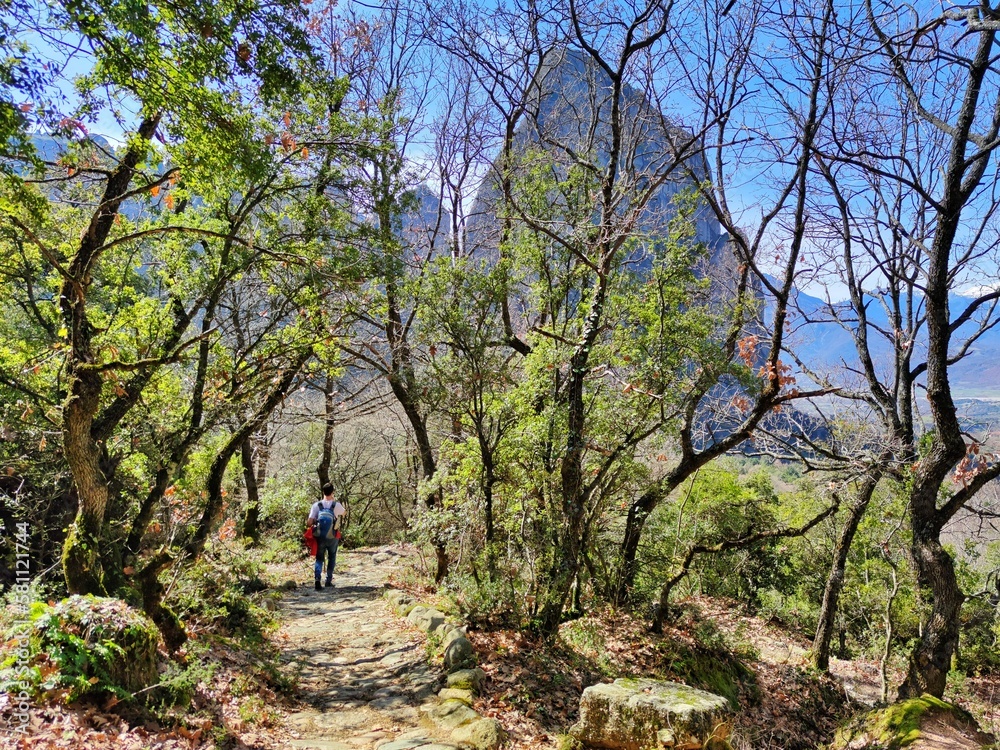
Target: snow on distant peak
[{"x": 978, "y": 290}]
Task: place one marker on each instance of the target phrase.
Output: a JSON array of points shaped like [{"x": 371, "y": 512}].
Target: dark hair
[{"x": 327, "y": 489}]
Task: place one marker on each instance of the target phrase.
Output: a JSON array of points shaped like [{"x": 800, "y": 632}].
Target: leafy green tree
[
  {"x": 717, "y": 504},
  {"x": 164, "y": 64},
  {"x": 183, "y": 309},
  {"x": 618, "y": 387},
  {"x": 476, "y": 372},
  {"x": 905, "y": 196},
  {"x": 399, "y": 221}
]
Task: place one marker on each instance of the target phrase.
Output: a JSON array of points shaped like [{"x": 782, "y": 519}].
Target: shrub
[
  {"x": 979, "y": 650},
  {"x": 490, "y": 603},
  {"x": 86, "y": 645},
  {"x": 180, "y": 679},
  {"x": 718, "y": 504},
  {"x": 214, "y": 593}
]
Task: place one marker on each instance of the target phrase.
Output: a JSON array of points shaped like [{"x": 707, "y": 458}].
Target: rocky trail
[{"x": 362, "y": 668}]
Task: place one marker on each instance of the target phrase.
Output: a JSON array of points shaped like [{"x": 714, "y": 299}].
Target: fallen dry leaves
[
  {"x": 534, "y": 688},
  {"x": 214, "y": 715}
]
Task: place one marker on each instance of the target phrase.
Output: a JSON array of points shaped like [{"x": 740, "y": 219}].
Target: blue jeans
[{"x": 326, "y": 548}]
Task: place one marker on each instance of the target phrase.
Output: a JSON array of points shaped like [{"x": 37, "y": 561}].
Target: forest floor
[{"x": 353, "y": 675}]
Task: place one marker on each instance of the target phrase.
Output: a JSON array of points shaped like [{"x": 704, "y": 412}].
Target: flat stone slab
[
  {"x": 321, "y": 745},
  {"x": 302, "y": 718},
  {"x": 405, "y": 744},
  {"x": 629, "y": 714}
]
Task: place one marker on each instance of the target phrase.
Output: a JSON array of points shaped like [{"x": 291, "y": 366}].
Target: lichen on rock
[
  {"x": 466, "y": 679},
  {"x": 630, "y": 713},
  {"x": 427, "y": 619},
  {"x": 452, "y": 714},
  {"x": 458, "y": 694}
]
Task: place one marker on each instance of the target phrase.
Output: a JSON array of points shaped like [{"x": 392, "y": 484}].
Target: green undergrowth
[
  {"x": 224, "y": 593},
  {"x": 694, "y": 652},
  {"x": 709, "y": 668},
  {"x": 105, "y": 653},
  {"x": 226, "y": 601},
  {"x": 83, "y": 646}
]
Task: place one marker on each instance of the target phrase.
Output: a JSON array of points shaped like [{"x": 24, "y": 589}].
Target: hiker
[{"x": 324, "y": 520}]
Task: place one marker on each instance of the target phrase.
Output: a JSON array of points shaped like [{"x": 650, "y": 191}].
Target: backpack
[{"x": 326, "y": 523}]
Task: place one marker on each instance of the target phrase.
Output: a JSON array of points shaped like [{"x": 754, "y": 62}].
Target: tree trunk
[
  {"x": 638, "y": 513},
  {"x": 251, "y": 516},
  {"x": 403, "y": 393},
  {"x": 166, "y": 621},
  {"x": 489, "y": 479},
  {"x": 930, "y": 662},
  {"x": 566, "y": 561},
  {"x": 835, "y": 580},
  {"x": 323, "y": 470},
  {"x": 217, "y": 471},
  {"x": 81, "y": 551}
]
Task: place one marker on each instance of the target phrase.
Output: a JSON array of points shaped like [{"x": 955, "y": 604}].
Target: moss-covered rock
[
  {"x": 630, "y": 713},
  {"x": 401, "y": 602},
  {"x": 466, "y": 679},
  {"x": 903, "y": 724},
  {"x": 97, "y": 644},
  {"x": 485, "y": 734},
  {"x": 427, "y": 619},
  {"x": 452, "y": 714},
  {"x": 458, "y": 694},
  {"x": 459, "y": 654}
]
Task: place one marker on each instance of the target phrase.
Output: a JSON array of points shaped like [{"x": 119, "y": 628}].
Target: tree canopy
[{"x": 555, "y": 265}]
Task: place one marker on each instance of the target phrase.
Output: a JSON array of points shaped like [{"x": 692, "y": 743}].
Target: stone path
[{"x": 362, "y": 668}]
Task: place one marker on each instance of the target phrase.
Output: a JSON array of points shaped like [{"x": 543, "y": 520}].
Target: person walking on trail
[{"x": 325, "y": 518}]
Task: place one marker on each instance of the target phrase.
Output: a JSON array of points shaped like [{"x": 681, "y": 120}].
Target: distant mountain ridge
[{"x": 828, "y": 348}]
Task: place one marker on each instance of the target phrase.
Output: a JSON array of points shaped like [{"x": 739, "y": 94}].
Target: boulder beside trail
[
  {"x": 114, "y": 645},
  {"x": 633, "y": 714},
  {"x": 451, "y": 714},
  {"x": 400, "y": 601},
  {"x": 485, "y": 734},
  {"x": 924, "y": 723},
  {"x": 427, "y": 619},
  {"x": 459, "y": 654},
  {"x": 467, "y": 679}
]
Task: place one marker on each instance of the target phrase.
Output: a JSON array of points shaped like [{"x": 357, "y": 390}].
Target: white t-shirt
[{"x": 338, "y": 510}]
